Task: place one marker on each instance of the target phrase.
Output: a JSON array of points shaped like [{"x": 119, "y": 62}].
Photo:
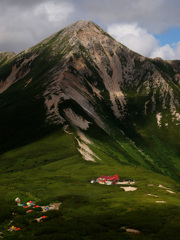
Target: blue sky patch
[{"x": 169, "y": 37}]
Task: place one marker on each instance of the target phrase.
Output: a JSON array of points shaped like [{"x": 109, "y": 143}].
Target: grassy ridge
[
  {"x": 48, "y": 168},
  {"x": 54, "y": 171}
]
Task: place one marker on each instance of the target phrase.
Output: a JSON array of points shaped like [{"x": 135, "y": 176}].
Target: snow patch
[
  {"x": 153, "y": 195},
  {"x": 126, "y": 183},
  {"x": 176, "y": 115},
  {"x": 127, "y": 189},
  {"x": 170, "y": 191},
  {"x": 161, "y": 186},
  {"x": 86, "y": 152},
  {"x": 131, "y": 230},
  {"x": 167, "y": 189},
  {"x": 158, "y": 117},
  {"x": 83, "y": 137},
  {"x": 76, "y": 120}
]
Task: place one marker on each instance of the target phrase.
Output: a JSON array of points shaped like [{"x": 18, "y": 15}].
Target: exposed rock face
[
  {"x": 94, "y": 56},
  {"x": 16, "y": 74},
  {"x": 85, "y": 78},
  {"x": 91, "y": 55}
]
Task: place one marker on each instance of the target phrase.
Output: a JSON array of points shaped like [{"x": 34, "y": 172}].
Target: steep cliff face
[
  {"x": 96, "y": 70},
  {"x": 86, "y": 55},
  {"x": 81, "y": 77}
]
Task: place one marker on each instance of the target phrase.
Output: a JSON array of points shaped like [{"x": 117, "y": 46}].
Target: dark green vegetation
[
  {"x": 51, "y": 170},
  {"x": 5, "y": 57},
  {"x": 39, "y": 161}
]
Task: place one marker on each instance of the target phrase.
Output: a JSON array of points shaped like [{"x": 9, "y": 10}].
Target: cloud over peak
[
  {"x": 141, "y": 41},
  {"x": 134, "y": 37},
  {"x": 24, "y": 26},
  {"x": 133, "y": 23}
]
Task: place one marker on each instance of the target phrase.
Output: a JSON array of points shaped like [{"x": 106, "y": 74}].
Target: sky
[{"x": 149, "y": 27}]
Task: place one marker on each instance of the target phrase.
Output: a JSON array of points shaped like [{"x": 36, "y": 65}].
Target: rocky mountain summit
[{"x": 82, "y": 79}]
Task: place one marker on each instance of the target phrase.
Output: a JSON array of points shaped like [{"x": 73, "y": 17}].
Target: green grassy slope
[
  {"x": 52, "y": 170},
  {"x": 23, "y": 111},
  {"x": 40, "y": 162}
]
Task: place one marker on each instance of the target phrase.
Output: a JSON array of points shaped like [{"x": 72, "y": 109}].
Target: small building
[{"x": 109, "y": 180}]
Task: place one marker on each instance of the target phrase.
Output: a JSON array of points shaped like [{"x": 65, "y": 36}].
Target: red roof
[
  {"x": 115, "y": 177},
  {"x": 103, "y": 176}
]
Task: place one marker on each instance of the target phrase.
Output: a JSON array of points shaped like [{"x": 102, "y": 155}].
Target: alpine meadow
[{"x": 75, "y": 107}]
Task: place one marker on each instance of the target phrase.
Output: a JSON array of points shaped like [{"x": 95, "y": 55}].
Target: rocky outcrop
[
  {"x": 19, "y": 69},
  {"x": 86, "y": 66}
]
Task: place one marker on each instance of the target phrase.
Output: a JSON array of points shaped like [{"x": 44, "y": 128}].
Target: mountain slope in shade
[
  {"x": 5, "y": 57},
  {"x": 82, "y": 79}
]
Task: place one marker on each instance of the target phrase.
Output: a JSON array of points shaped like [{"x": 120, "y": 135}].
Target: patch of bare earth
[
  {"x": 127, "y": 189},
  {"x": 131, "y": 230}
]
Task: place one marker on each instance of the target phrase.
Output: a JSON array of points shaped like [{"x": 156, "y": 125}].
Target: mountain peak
[
  {"x": 81, "y": 24},
  {"x": 81, "y": 33},
  {"x": 87, "y": 34},
  {"x": 81, "y": 77},
  {"x": 84, "y": 26}
]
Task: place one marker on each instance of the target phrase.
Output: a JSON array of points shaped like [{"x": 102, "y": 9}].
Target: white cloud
[
  {"x": 25, "y": 23},
  {"x": 141, "y": 41},
  {"x": 156, "y": 15},
  {"x": 168, "y": 52},
  {"x": 164, "y": 52},
  {"x": 177, "y": 47},
  {"x": 21, "y": 27},
  {"x": 134, "y": 37},
  {"x": 53, "y": 11}
]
